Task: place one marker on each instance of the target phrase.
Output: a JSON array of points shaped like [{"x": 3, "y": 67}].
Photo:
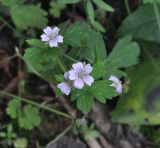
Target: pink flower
[
  {"x": 65, "y": 86},
  {"x": 51, "y": 36},
  {"x": 80, "y": 74},
  {"x": 116, "y": 83}
]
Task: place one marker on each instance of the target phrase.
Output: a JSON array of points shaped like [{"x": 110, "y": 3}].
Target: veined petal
[
  {"x": 77, "y": 66},
  {"x": 88, "y": 80},
  {"x": 59, "y": 38},
  {"x": 64, "y": 87},
  {"x": 55, "y": 30},
  {"x": 53, "y": 43},
  {"x": 114, "y": 79},
  {"x": 48, "y": 31},
  {"x": 119, "y": 88},
  {"x": 66, "y": 75},
  {"x": 73, "y": 75},
  {"x": 88, "y": 69},
  {"x": 78, "y": 83},
  {"x": 45, "y": 37}
]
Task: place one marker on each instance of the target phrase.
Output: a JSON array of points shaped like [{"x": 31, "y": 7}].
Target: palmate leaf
[
  {"x": 25, "y": 16},
  {"x": 41, "y": 59},
  {"x": 76, "y": 34},
  {"x": 141, "y": 26},
  {"x": 31, "y": 117},
  {"x": 10, "y": 3},
  {"x": 13, "y": 108},
  {"x": 84, "y": 100},
  {"x": 102, "y": 90},
  {"x": 140, "y": 106},
  {"x": 124, "y": 54}
]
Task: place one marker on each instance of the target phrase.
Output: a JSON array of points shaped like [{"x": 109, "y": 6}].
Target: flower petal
[
  {"x": 78, "y": 83},
  {"x": 88, "y": 69},
  {"x": 55, "y": 30},
  {"x": 64, "y": 87},
  {"x": 119, "y": 88},
  {"x": 66, "y": 75},
  {"x": 45, "y": 37},
  {"x": 114, "y": 79},
  {"x": 53, "y": 43},
  {"x": 77, "y": 66},
  {"x": 73, "y": 75},
  {"x": 88, "y": 80},
  {"x": 48, "y": 31},
  {"x": 59, "y": 38}
]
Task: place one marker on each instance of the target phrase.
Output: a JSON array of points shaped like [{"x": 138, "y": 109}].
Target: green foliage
[
  {"x": 84, "y": 100},
  {"x": 31, "y": 117},
  {"x": 20, "y": 143},
  {"x": 151, "y": 133},
  {"x": 140, "y": 106},
  {"x": 151, "y": 1},
  {"x": 28, "y": 116},
  {"x": 140, "y": 26},
  {"x": 25, "y": 16},
  {"x": 13, "y": 108},
  {"x": 90, "y": 132},
  {"x": 56, "y": 8},
  {"x": 10, "y": 3},
  {"x": 76, "y": 34},
  {"x": 41, "y": 59},
  {"x": 124, "y": 54},
  {"x": 102, "y": 90},
  {"x": 68, "y": 1},
  {"x": 90, "y": 10},
  {"x": 9, "y": 135},
  {"x": 101, "y": 4}
]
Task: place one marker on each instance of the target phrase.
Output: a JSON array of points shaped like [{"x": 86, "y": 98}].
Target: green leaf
[
  {"x": 98, "y": 45},
  {"x": 56, "y": 8},
  {"x": 101, "y": 4},
  {"x": 25, "y": 16},
  {"x": 141, "y": 26},
  {"x": 59, "y": 78},
  {"x": 99, "y": 70},
  {"x": 98, "y": 26},
  {"x": 20, "y": 143},
  {"x": 10, "y": 3},
  {"x": 36, "y": 43},
  {"x": 90, "y": 11},
  {"x": 13, "y": 108},
  {"x": 42, "y": 61},
  {"x": 76, "y": 34},
  {"x": 31, "y": 117},
  {"x": 69, "y": 1},
  {"x": 84, "y": 100},
  {"x": 140, "y": 106},
  {"x": 124, "y": 54},
  {"x": 102, "y": 90},
  {"x": 151, "y": 1}
]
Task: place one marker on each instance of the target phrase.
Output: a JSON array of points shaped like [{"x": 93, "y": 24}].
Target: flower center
[
  {"x": 81, "y": 74},
  {"x": 52, "y": 36}
]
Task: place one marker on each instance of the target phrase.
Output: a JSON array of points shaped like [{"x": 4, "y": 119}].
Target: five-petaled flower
[
  {"x": 80, "y": 74},
  {"x": 116, "y": 83},
  {"x": 51, "y": 36},
  {"x": 65, "y": 86}
]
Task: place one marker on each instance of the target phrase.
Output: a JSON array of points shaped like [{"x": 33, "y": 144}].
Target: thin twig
[
  {"x": 63, "y": 102},
  {"x": 127, "y": 6},
  {"x": 3, "y": 93}
]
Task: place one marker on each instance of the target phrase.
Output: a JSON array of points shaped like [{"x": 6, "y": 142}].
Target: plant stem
[
  {"x": 36, "y": 104},
  {"x": 61, "y": 65},
  {"x": 127, "y": 6},
  {"x": 157, "y": 13},
  {"x": 6, "y": 23},
  {"x": 8, "y": 59}
]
